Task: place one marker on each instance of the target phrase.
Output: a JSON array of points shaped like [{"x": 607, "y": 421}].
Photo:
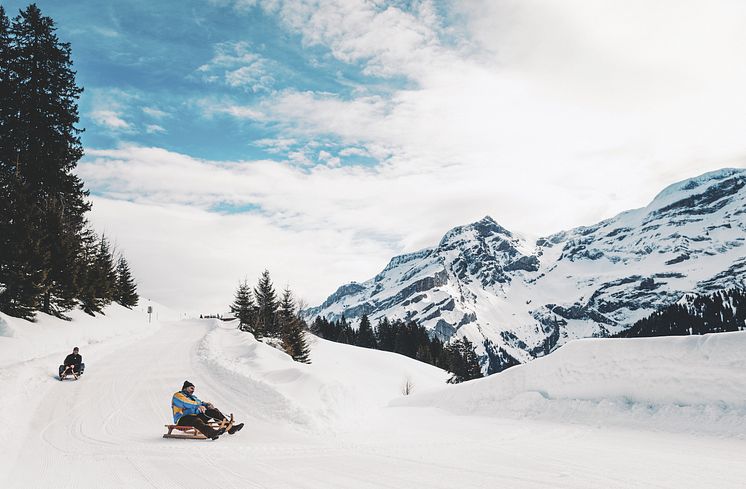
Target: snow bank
[
  {"x": 22, "y": 341},
  {"x": 30, "y": 353},
  {"x": 693, "y": 384},
  {"x": 341, "y": 386}
]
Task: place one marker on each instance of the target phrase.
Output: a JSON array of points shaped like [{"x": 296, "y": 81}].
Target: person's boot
[
  {"x": 218, "y": 433},
  {"x": 234, "y": 428}
]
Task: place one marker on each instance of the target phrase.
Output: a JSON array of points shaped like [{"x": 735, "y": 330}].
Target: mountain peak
[
  {"x": 682, "y": 189},
  {"x": 517, "y": 300},
  {"x": 484, "y": 228}
]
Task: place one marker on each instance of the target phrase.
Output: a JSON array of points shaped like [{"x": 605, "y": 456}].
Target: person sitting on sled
[
  {"x": 190, "y": 411},
  {"x": 73, "y": 364}
]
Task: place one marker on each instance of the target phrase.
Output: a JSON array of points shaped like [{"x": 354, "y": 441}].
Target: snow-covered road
[{"x": 105, "y": 431}]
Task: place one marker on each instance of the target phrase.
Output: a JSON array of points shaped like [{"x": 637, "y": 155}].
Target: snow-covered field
[{"x": 656, "y": 413}]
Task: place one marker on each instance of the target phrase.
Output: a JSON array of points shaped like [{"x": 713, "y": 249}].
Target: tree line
[
  {"x": 719, "y": 312},
  {"x": 50, "y": 259},
  {"x": 408, "y": 338},
  {"x": 261, "y": 313}
]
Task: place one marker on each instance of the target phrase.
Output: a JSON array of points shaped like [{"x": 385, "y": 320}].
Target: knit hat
[{"x": 186, "y": 384}]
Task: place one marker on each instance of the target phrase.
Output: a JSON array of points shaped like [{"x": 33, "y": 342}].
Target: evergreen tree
[
  {"x": 471, "y": 361},
  {"x": 98, "y": 274},
  {"x": 424, "y": 354},
  {"x": 89, "y": 274},
  {"x": 291, "y": 329},
  {"x": 8, "y": 105},
  {"x": 106, "y": 274},
  {"x": 365, "y": 335},
  {"x": 385, "y": 335},
  {"x": 716, "y": 313},
  {"x": 7, "y": 102},
  {"x": 24, "y": 262},
  {"x": 266, "y": 303},
  {"x": 244, "y": 308},
  {"x": 126, "y": 290},
  {"x": 39, "y": 148},
  {"x": 320, "y": 327},
  {"x": 463, "y": 361}
]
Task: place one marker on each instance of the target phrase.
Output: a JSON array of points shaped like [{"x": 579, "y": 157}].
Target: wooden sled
[
  {"x": 71, "y": 372},
  {"x": 191, "y": 433}
]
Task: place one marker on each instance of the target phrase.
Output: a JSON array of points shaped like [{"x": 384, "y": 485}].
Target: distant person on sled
[
  {"x": 73, "y": 365},
  {"x": 190, "y": 411}
]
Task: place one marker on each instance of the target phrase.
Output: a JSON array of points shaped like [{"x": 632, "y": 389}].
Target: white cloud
[
  {"x": 110, "y": 119},
  {"x": 193, "y": 260},
  {"x": 534, "y": 92},
  {"x": 155, "y": 129},
  {"x": 387, "y": 38},
  {"x": 155, "y": 113},
  {"x": 348, "y": 220},
  {"x": 545, "y": 115},
  {"x": 276, "y": 145},
  {"x": 109, "y": 109},
  {"x": 237, "y": 66},
  {"x": 329, "y": 159},
  {"x": 106, "y": 31},
  {"x": 354, "y": 152},
  {"x": 211, "y": 107}
]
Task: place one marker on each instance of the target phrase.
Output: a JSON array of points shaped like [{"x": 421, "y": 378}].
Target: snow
[
  {"x": 598, "y": 271},
  {"x": 682, "y": 384},
  {"x": 644, "y": 413},
  {"x": 678, "y": 190}
]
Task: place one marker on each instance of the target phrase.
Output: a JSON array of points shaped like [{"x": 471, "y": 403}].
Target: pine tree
[
  {"x": 291, "y": 329},
  {"x": 365, "y": 335},
  {"x": 39, "y": 148},
  {"x": 244, "y": 308},
  {"x": 385, "y": 335},
  {"x": 126, "y": 290},
  {"x": 89, "y": 275},
  {"x": 266, "y": 303},
  {"x": 319, "y": 327},
  {"x": 286, "y": 309},
  {"x": 8, "y": 105},
  {"x": 463, "y": 361},
  {"x": 106, "y": 274},
  {"x": 24, "y": 264},
  {"x": 471, "y": 361}
]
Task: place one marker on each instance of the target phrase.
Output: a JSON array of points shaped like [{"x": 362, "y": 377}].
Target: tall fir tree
[
  {"x": 291, "y": 329},
  {"x": 365, "y": 336},
  {"x": 89, "y": 274},
  {"x": 385, "y": 335},
  {"x": 8, "y": 105},
  {"x": 24, "y": 262},
  {"x": 244, "y": 308},
  {"x": 463, "y": 361},
  {"x": 126, "y": 289},
  {"x": 266, "y": 303},
  {"x": 39, "y": 148},
  {"x": 106, "y": 274},
  {"x": 471, "y": 360}
]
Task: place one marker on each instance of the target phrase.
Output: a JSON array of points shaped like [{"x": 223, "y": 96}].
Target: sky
[{"x": 317, "y": 139}]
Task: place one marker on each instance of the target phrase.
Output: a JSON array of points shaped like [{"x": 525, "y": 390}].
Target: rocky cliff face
[{"x": 518, "y": 299}]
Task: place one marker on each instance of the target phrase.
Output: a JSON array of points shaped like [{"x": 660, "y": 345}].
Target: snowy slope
[
  {"x": 683, "y": 384},
  {"x": 521, "y": 298},
  {"x": 328, "y": 393},
  {"x": 343, "y": 422}
]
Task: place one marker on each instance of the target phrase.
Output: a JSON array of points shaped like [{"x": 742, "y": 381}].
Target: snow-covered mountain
[{"x": 519, "y": 299}]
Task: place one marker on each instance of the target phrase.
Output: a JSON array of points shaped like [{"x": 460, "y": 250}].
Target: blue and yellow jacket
[{"x": 182, "y": 404}]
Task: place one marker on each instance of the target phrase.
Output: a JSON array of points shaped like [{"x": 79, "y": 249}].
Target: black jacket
[{"x": 73, "y": 359}]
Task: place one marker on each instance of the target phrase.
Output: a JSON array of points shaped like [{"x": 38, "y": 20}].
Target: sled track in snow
[{"x": 105, "y": 431}]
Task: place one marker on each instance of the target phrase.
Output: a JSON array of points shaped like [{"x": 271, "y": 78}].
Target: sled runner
[
  {"x": 191, "y": 433},
  {"x": 69, "y": 371}
]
